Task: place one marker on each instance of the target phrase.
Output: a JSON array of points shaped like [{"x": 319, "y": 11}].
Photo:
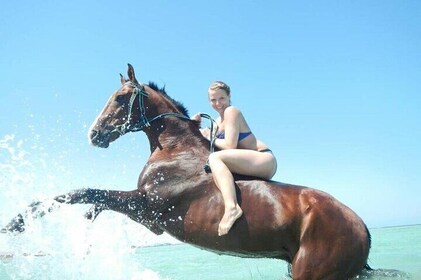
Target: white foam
[{"x": 63, "y": 242}]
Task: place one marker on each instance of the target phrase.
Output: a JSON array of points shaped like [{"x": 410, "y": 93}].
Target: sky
[{"x": 332, "y": 87}]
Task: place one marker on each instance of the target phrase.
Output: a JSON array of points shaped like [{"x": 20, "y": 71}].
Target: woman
[{"x": 240, "y": 152}]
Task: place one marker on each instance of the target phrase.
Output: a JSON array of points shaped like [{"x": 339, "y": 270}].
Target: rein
[
  {"x": 145, "y": 122},
  {"x": 212, "y": 137}
]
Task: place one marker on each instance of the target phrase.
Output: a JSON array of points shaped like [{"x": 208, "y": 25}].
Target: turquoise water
[
  {"x": 397, "y": 248},
  {"x": 393, "y": 248},
  {"x": 89, "y": 254}
]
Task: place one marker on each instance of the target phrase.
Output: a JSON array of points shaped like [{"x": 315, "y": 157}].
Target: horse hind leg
[{"x": 308, "y": 265}]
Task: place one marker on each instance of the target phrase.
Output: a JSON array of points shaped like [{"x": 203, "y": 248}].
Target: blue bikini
[{"x": 241, "y": 135}]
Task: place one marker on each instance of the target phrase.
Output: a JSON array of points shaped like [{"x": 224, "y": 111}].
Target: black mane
[{"x": 177, "y": 104}]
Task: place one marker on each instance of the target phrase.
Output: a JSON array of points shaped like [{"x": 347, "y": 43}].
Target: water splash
[
  {"x": 384, "y": 274},
  {"x": 62, "y": 245}
]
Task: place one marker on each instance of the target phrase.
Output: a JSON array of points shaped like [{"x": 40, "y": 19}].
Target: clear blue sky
[{"x": 334, "y": 88}]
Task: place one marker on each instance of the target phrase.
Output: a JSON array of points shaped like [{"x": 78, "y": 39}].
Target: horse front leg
[
  {"x": 129, "y": 203},
  {"x": 94, "y": 211},
  {"x": 35, "y": 210},
  {"x": 132, "y": 204}
]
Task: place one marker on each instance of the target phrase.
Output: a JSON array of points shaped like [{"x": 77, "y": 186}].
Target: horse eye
[{"x": 119, "y": 98}]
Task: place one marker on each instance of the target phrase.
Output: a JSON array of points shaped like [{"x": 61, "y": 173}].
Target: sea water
[
  {"x": 64, "y": 245},
  {"x": 109, "y": 251}
]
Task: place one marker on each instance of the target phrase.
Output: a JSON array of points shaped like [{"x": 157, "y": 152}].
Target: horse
[{"x": 317, "y": 235}]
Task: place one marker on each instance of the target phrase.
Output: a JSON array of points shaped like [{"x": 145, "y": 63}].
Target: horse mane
[{"x": 177, "y": 104}]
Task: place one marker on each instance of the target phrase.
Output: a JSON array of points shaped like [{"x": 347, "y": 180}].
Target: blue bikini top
[{"x": 241, "y": 135}]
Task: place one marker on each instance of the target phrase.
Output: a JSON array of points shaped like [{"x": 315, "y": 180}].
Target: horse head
[{"x": 133, "y": 107}]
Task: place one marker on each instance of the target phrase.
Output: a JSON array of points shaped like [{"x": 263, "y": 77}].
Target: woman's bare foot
[{"x": 229, "y": 219}]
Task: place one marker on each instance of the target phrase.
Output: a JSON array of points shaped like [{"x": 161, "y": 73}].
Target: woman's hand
[
  {"x": 205, "y": 132},
  {"x": 197, "y": 118}
]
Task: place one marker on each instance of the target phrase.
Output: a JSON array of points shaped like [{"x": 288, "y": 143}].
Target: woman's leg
[
  {"x": 246, "y": 162},
  {"x": 225, "y": 183}
]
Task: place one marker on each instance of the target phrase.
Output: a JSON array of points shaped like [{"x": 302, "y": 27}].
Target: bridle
[
  {"x": 127, "y": 126},
  {"x": 144, "y": 122},
  {"x": 139, "y": 91}
]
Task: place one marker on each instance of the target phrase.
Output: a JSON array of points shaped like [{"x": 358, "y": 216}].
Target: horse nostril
[{"x": 93, "y": 134}]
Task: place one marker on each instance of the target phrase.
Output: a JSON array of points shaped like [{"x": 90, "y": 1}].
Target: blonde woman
[{"x": 241, "y": 152}]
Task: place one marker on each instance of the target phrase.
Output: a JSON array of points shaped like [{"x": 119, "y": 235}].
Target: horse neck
[
  {"x": 172, "y": 134},
  {"x": 178, "y": 153}
]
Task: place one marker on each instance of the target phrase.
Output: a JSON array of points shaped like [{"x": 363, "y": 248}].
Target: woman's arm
[
  {"x": 205, "y": 131},
  {"x": 232, "y": 117}
]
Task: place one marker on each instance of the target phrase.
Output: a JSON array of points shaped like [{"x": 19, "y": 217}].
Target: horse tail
[
  {"x": 368, "y": 236},
  {"x": 367, "y": 266},
  {"x": 370, "y": 272}
]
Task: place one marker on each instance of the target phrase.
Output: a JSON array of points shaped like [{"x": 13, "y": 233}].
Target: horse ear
[
  {"x": 122, "y": 79},
  {"x": 130, "y": 73}
]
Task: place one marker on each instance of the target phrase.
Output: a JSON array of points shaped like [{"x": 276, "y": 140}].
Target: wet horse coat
[{"x": 321, "y": 237}]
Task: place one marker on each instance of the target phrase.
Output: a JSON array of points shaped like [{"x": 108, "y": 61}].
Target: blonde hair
[{"x": 220, "y": 85}]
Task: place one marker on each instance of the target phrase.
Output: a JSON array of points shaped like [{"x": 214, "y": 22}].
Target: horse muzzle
[{"x": 98, "y": 139}]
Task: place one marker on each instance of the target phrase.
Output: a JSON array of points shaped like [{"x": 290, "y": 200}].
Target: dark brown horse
[{"x": 319, "y": 236}]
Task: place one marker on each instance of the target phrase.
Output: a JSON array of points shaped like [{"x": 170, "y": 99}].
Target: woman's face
[{"x": 219, "y": 100}]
